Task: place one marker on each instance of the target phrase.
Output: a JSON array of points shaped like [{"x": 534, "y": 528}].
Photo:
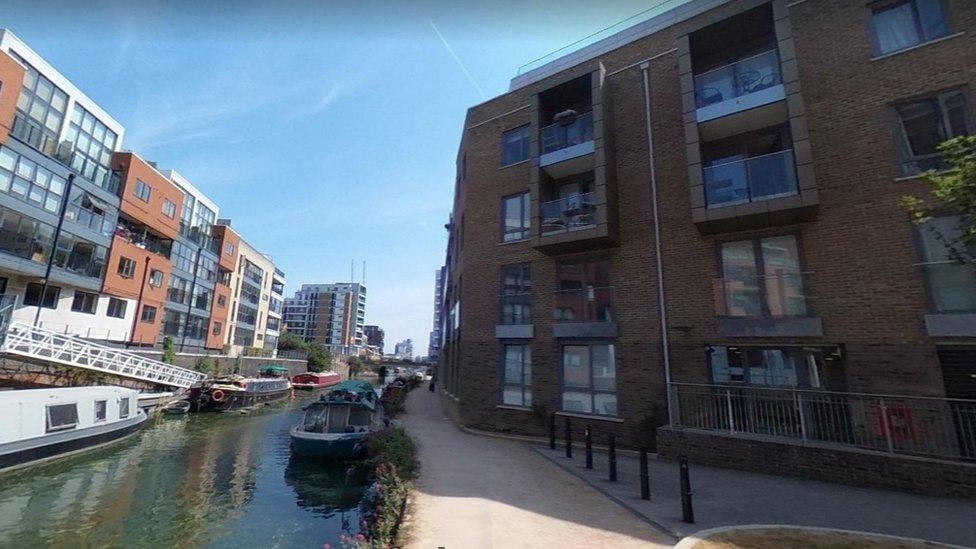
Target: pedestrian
[
  {"x": 433, "y": 381},
  {"x": 382, "y": 373}
]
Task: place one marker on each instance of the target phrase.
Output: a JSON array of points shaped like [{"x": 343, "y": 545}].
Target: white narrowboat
[{"x": 42, "y": 424}]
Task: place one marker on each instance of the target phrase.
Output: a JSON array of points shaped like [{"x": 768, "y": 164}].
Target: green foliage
[
  {"x": 169, "y": 353},
  {"x": 394, "y": 447},
  {"x": 356, "y": 365},
  {"x": 292, "y": 342},
  {"x": 319, "y": 358},
  {"x": 393, "y": 456},
  {"x": 206, "y": 365},
  {"x": 955, "y": 190}
]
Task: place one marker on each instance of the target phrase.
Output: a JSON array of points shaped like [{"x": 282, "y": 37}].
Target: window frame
[
  {"x": 900, "y": 135},
  {"x": 921, "y": 265},
  {"x": 115, "y": 301},
  {"x": 800, "y": 354},
  {"x": 104, "y": 417},
  {"x": 127, "y": 408},
  {"x": 152, "y": 317},
  {"x": 127, "y": 267},
  {"x": 761, "y": 272},
  {"x": 879, "y": 6},
  {"x": 79, "y": 305},
  {"x": 525, "y": 142},
  {"x": 52, "y": 290},
  {"x": 524, "y": 268},
  {"x": 169, "y": 208},
  {"x": 140, "y": 187},
  {"x": 503, "y": 384},
  {"x": 589, "y": 344},
  {"x": 526, "y": 215},
  {"x": 152, "y": 278},
  {"x": 48, "y": 428}
]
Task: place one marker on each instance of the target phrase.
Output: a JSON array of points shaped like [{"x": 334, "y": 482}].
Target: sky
[{"x": 326, "y": 131}]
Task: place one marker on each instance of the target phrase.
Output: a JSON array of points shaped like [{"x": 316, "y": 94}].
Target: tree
[
  {"x": 955, "y": 189},
  {"x": 169, "y": 353},
  {"x": 355, "y": 365},
  {"x": 292, "y": 342},
  {"x": 205, "y": 364},
  {"x": 319, "y": 358}
]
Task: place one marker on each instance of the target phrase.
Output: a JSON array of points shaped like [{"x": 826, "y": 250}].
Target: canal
[{"x": 202, "y": 480}]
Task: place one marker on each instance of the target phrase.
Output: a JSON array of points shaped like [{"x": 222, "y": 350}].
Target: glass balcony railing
[
  {"x": 589, "y": 304},
  {"x": 758, "y": 178},
  {"x": 144, "y": 241},
  {"x": 775, "y": 295},
  {"x": 566, "y": 134},
  {"x": 568, "y": 214},
  {"x": 743, "y": 77}
]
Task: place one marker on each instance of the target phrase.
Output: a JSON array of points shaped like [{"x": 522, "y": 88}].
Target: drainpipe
[
  {"x": 662, "y": 302},
  {"x": 54, "y": 246},
  {"x": 142, "y": 289}
]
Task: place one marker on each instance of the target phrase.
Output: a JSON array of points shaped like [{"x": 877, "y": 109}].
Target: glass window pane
[
  {"x": 953, "y": 287},
  {"x": 740, "y": 283},
  {"x": 8, "y": 159},
  {"x": 604, "y": 369},
  {"x": 932, "y": 19},
  {"x": 895, "y": 28},
  {"x": 922, "y": 128},
  {"x": 783, "y": 281},
  {"x": 576, "y": 366},
  {"x": 955, "y": 112},
  {"x": 577, "y": 402},
  {"x": 605, "y": 404},
  {"x": 513, "y": 364},
  {"x": 772, "y": 367}
]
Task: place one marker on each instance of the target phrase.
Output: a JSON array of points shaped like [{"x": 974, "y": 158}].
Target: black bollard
[
  {"x": 552, "y": 431},
  {"x": 687, "y": 512},
  {"x": 569, "y": 439},
  {"x": 589, "y": 449},
  {"x": 645, "y": 483},
  {"x": 612, "y": 456}
]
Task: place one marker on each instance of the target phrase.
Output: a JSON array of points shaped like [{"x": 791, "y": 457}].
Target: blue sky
[{"x": 327, "y": 131}]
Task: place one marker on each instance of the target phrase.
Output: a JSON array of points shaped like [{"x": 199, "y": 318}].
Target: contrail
[{"x": 450, "y": 50}]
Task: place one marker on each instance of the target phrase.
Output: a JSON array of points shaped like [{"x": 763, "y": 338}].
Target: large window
[
  {"x": 247, "y": 315},
  {"x": 93, "y": 144},
  {"x": 793, "y": 367},
  {"x": 90, "y": 212},
  {"x": 84, "y": 302},
  {"x": 924, "y": 124},
  {"x": 901, "y": 24},
  {"x": 589, "y": 379},
  {"x": 61, "y": 417},
  {"x": 761, "y": 278},
  {"x": 25, "y": 237},
  {"x": 80, "y": 256},
  {"x": 143, "y": 191},
  {"x": 32, "y": 296},
  {"x": 30, "y": 182},
  {"x": 950, "y": 281},
  {"x": 517, "y": 375},
  {"x": 515, "y": 145},
  {"x": 148, "y": 314},
  {"x": 179, "y": 290},
  {"x": 127, "y": 267},
  {"x": 583, "y": 293},
  {"x": 243, "y": 336},
  {"x": 516, "y": 212},
  {"x": 516, "y": 298},
  {"x": 40, "y": 110},
  {"x": 116, "y": 307}
]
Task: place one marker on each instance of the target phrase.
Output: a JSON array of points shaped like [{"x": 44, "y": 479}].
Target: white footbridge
[{"x": 39, "y": 345}]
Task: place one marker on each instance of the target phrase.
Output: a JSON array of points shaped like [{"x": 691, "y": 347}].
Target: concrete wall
[{"x": 250, "y": 365}]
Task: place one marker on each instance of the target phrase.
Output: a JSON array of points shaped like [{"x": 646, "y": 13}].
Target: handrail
[
  {"x": 736, "y": 62},
  {"x": 818, "y": 391}
]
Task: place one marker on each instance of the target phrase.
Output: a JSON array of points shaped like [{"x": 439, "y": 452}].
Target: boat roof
[
  {"x": 354, "y": 386},
  {"x": 65, "y": 394},
  {"x": 275, "y": 368}
]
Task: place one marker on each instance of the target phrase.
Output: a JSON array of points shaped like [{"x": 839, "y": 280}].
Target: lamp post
[{"x": 54, "y": 246}]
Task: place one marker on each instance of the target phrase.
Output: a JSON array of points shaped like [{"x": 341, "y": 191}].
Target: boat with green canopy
[{"x": 337, "y": 424}]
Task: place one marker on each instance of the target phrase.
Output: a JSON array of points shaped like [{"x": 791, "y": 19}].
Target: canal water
[{"x": 201, "y": 480}]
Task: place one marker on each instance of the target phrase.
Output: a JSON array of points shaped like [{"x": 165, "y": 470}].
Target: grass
[{"x": 803, "y": 539}]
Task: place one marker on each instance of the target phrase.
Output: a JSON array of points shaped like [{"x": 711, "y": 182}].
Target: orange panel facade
[
  {"x": 162, "y": 211},
  {"x": 219, "y": 315},
  {"x": 123, "y": 282},
  {"x": 230, "y": 249},
  {"x": 11, "y": 81}
]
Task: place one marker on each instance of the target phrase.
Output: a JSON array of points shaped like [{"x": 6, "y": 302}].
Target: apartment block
[
  {"x": 374, "y": 337},
  {"x": 404, "y": 349},
  {"x": 434, "y": 345},
  {"x": 331, "y": 314},
  {"x": 690, "y": 232}
]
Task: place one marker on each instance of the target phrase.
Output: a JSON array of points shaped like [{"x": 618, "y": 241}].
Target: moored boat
[
  {"x": 42, "y": 424},
  {"x": 315, "y": 380},
  {"x": 234, "y": 391},
  {"x": 337, "y": 424}
]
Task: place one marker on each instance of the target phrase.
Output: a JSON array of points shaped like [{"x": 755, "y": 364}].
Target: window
[
  {"x": 40, "y": 109},
  {"x": 148, "y": 314},
  {"x": 901, "y": 24},
  {"x": 589, "y": 379},
  {"x": 761, "y": 278},
  {"x": 25, "y": 237},
  {"x": 515, "y": 145},
  {"x": 116, "y": 307},
  {"x": 101, "y": 410},
  {"x": 221, "y": 300},
  {"x": 169, "y": 208},
  {"x": 793, "y": 367},
  {"x": 124, "y": 408},
  {"x": 229, "y": 249},
  {"x": 32, "y": 296},
  {"x": 127, "y": 267},
  {"x": 516, "y": 298},
  {"x": 92, "y": 144},
  {"x": 90, "y": 212},
  {"x": 143, "y": 191},
  {"x": 156, "y": 278},
  {"x": 517, "y": 375},
  {"x": 515, "y": 217},
  {"x": 84, "y": 302},
  {"x": 951, "y": 283},
  {"x": 217, "y": 327},
  {"x": 80, "y": 256},
  {"x": 61, "y": 417},
  {"x": 924, "y": 124},
  {"x": 30, "y": 182},
  {"x": 583, "y": 293}
]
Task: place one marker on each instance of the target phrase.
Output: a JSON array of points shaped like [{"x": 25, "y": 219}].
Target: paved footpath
[{"x": 477, "y": 491}]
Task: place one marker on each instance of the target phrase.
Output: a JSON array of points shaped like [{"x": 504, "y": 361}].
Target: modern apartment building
[
  {"x": 697, "y": 220},
  {"x": 331, "y": 314},
  {"x": 434, "y": 345},
  {"x": 374, "y": 337},
  {"x": 404, "y": 349},
  {"x": 251, "y": 282}
]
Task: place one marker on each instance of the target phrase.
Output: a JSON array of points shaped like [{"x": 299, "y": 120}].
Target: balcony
[
  {"x": 572, "y": 213},
  {"x": 584, "y": 312},
  {"x": 567, "y": 146},
  {"x": 743, "y": 85},
  {"x": 770, "y": 305},
  {"x": 145, "y": 240},
  {"x": 762, "y": 177}
]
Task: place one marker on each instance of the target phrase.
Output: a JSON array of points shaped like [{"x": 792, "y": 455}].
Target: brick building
[{"x": 783, "y": 136}]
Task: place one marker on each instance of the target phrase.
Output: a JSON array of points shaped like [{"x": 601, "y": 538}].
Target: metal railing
[
  {"x": 143, "y": 241},
  {"x": 757, "y": 178},
  {"x": 941, "y": 428},
  {"x": 743, "y": 77},
  {"x": 568, "y": 214},
  {"x": 37, "y": 343},
  {"x": 589, "y": 304},
  {"x": 566, "y": 134},
  {"x": 779, "y": 294}
]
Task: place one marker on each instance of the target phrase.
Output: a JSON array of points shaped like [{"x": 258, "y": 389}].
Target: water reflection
[{"x": 203, "y": 480}]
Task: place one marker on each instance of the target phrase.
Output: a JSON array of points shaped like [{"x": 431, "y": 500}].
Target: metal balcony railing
[
  {"x": 774, "y": 295},
  {"x": 566, "y": 134},
  {"x": 757, "y": 178},
  {"x": 568, "y": 214},
  {"x": 40, "y": 344},
  {"x": 590, "y": 304},
  {"x": 941, "y": 428},
  {"x": 143, "y": 241},
  {"x": 743, "y": 77}
]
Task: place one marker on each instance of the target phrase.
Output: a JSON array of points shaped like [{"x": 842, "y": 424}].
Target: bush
[
  {"x": 205, "y": 364},
  {"x": 169, "y": 353},
  {"x": 393, "y": 457},
  {"x": 394, "y": 447}
]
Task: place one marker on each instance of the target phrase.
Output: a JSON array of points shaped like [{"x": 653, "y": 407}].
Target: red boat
[{"x": 315, "y": 380}]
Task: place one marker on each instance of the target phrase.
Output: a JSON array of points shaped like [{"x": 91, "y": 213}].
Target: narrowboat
[
  {"x": 43, "y": 424},
  {"x": 337, "y": 424},
  {"x": 315, "y": 380},
  {"x": 233, "y": 392}
]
